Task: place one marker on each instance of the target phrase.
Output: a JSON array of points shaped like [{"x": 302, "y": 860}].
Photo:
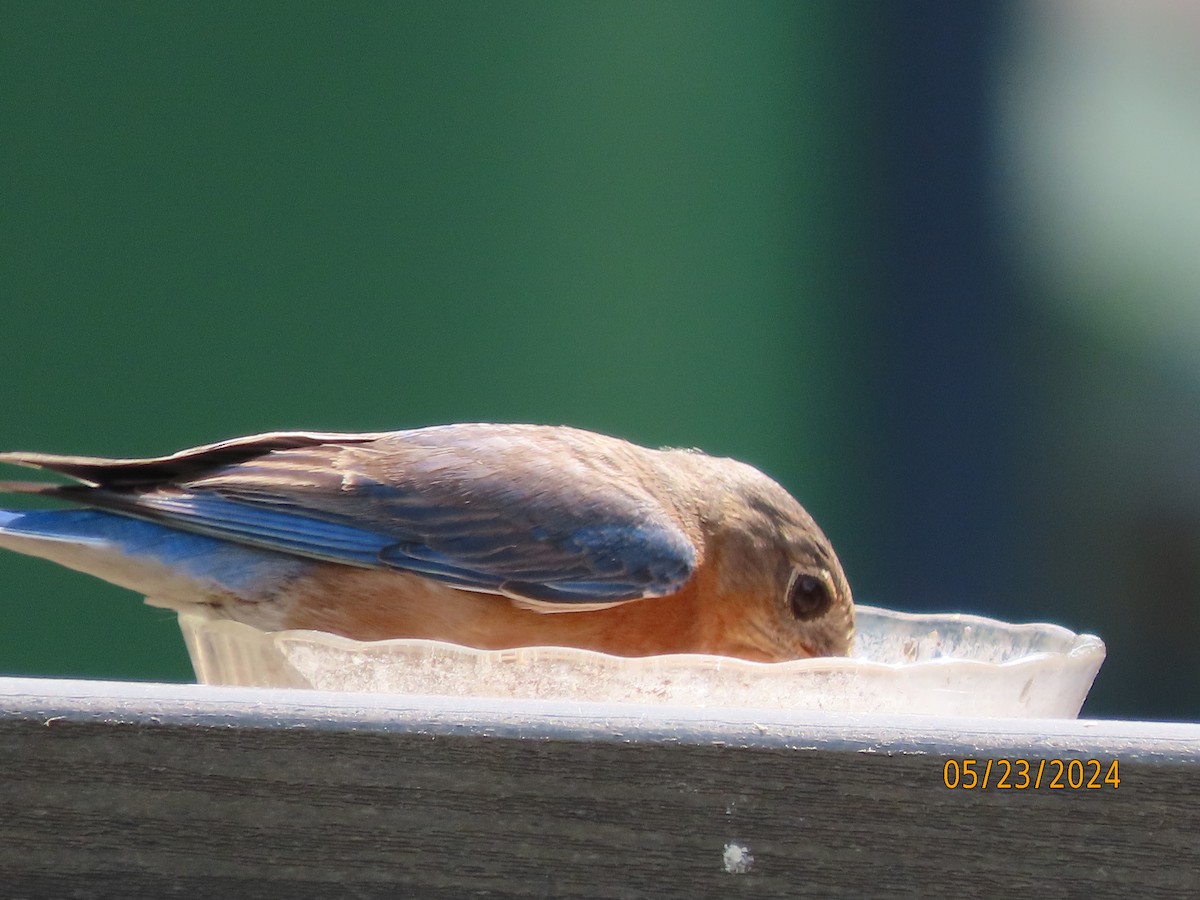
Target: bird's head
[{"x": 773, "y": 568}]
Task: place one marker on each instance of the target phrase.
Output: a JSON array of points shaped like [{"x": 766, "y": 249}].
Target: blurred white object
[
  {"x": 948, "y": 664},
  {"x": 1098, "y": 143}
]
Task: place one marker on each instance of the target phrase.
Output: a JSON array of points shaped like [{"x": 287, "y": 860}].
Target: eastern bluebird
[{"x": 492, "y": 536}]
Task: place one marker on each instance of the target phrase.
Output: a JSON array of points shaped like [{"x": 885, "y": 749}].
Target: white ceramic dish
[{"x": 940, "y": 664}]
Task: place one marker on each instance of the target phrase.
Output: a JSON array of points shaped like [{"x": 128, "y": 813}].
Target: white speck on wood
[{"x": 737, "y": 859}]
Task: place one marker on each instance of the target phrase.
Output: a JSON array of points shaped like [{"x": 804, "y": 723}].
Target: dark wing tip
[{"x": 134, "y": 474}]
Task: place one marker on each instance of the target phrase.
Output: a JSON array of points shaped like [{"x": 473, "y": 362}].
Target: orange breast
[{"x": 372, "y": 605}]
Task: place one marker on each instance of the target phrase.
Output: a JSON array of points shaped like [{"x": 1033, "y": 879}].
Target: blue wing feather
[{"x": 516, "y": 510}]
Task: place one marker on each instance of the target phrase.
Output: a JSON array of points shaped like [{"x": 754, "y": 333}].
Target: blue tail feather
[{"x": 85, "y": 538}]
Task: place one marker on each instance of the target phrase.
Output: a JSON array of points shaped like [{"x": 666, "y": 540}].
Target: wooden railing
[{"x": 153, "y": 790}]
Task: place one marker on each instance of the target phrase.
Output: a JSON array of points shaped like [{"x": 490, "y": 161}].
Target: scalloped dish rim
[{"x": 1076, "y": 647}]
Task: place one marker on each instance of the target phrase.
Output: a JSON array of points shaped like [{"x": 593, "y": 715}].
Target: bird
[{"x": 492, "y": 536}]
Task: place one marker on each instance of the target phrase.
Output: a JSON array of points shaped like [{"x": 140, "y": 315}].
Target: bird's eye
[{"x": 808, "y": 596}]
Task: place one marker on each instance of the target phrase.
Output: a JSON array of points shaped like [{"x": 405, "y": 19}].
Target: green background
[
  {"x": 225, "y": 218},
  {"x": 822, "y": 237}
]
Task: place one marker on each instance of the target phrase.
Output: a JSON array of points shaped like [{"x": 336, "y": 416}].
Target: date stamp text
[{"x": 1030, "y": 774}]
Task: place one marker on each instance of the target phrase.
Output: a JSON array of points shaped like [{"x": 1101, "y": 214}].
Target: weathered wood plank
[{"x": 153, "y": 790}]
